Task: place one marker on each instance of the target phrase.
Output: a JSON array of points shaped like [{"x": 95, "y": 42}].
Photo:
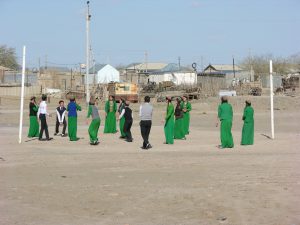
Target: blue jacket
[{"x": 72, "y": 109}]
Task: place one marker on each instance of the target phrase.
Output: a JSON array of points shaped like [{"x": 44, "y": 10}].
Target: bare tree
[
  {"x": 260, "y": 64},
  {"x": 8, "y": 57}
]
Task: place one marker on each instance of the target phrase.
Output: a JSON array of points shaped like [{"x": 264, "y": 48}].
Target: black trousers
[
  {"x": 44, "y": 126},
  {"x": 127, "y": 129},
  {"x": 145, "y": 131},
  {"x": 57, "y": 126}
]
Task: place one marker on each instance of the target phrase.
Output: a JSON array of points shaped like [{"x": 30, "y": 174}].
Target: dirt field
[{"x": 189, "y": 183}]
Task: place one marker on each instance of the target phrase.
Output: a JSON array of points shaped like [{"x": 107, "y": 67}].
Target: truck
[{"x": 128, "y": 91}]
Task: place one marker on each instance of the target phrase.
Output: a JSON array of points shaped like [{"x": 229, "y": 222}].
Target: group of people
[
  {"x": 225, "y": 116},
  {"x": 40, "y": 112},
  {"x": 176, "y": 122}
]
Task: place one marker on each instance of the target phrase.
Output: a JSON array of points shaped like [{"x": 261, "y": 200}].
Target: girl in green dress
[
  {"x": 95, "y": 123},
  {"x": 186, "y": 108},
  {"x": 72, "y": 109},
  {"x": 179, "y": 132},
  {"x": 225, "y": 115},
  {"x": 110, "y": 116},
  {"x": 33, "y": 120},
  {"x": 169, "y": 122},
  {"x": 248, "y": 128}
]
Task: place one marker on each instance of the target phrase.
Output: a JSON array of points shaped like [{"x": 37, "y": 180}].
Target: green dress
[
  {"x": 33, "y": 122},
  {"x": 179, "y": 132},
  {"x": 110, "y": 120},
  {"x": 169, "y": 124},
  {"x": 248, "y": 128},
  {"x": 95, "y": 124},
  {"x": 225, "y": 115},
  {"x": 72, "y": 125},
  {"x": 122, "y": 122},
  {"x": 186, "y": 116}
]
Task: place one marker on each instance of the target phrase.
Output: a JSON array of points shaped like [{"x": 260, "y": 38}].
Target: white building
[
  {"x": 172, "y": 72},
  {"x": 103, "y": 74}
]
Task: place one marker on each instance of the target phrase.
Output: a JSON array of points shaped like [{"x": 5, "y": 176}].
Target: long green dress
[
  {"x": 110, "y": 120},
  {"x": 248, "y": 128},
  {"x": 169, "y": 124},
  {"x": 95, "y": 124},
  {"x": 179, "y": 132},
  {"x": 122, "y": 122},
  {"x": 72, "y": 124},
  {"x": 186, "y": 116},
  {"x": 225, "y": 115},
  {"x": 33, "y": 121}
]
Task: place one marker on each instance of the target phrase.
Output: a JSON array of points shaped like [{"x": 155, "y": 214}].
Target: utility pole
[
  {"x": 94, "y": 71},
  {"x": 71, "y": 80},
  {"x": 179, "y": 62},
  {"x": 146, "y": 61},
  {"x": 88, "y": 18},
  {"x": 251, "y": 66},
  {"x": 39, "y": 71},
  {"x": 233, "y": 67},
  {"x": 46, "y": 62}
]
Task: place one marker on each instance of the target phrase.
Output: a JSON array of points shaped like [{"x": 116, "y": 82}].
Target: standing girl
[
  {"x": 33, "y": 120},
  {"x": 95, "y": 124},
  {"x": 169, "y": 122},
  {"x": 72, "y": 109},
  {"x": 110, "y": 115},
  {"x": 179, "y": 132}
]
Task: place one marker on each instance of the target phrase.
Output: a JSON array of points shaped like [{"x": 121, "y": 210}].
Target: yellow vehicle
[{"x": 127, "y": 91}]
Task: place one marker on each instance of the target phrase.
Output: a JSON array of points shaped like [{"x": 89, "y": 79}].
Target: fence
[{"x": 16, "y": 91}]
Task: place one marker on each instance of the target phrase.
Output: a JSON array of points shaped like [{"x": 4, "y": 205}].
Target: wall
[
  {"x": 178, "y": 78},
  {"x": 211, "y": 85},
  {"x": 16, "y": 91}
]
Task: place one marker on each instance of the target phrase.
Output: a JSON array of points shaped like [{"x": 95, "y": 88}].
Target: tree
[
  {"x": 8, "y": 57},
  {"x": 260, "y": 64}
]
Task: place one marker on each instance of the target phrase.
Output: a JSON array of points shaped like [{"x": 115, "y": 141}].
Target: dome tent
[{"x": 104, "y": 73}]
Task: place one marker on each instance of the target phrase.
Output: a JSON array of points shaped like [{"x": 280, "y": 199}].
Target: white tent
[{"x": 104, "y": 74}]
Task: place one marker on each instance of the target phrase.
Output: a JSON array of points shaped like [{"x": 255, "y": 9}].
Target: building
[
  {"x": 103, "y": 74},
  {"x": 174, "y": 73},
  {"x": 211, "y": 81},
  {"x": 233, "y": 74},
  {"x": 138, "y": 73}
]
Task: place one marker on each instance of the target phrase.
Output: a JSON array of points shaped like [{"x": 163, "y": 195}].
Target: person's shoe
[
  {"x": 121, "y": 137},
  {"x": 40, "y": 139},
  {"x": 63, "y": 135},
  {"x": 148, "y": 146},
  {"x": 55, "y": 134},
  {"x": 143, "y": 148},
  {"x": 49, "y": 139},
  {"x": 129, "y": 140}
]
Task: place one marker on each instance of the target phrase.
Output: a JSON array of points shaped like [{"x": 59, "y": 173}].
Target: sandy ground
[{"x": 190, "y": 182}]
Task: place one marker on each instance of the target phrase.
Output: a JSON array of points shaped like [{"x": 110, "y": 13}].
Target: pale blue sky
[{"x": 121, "y": 30}]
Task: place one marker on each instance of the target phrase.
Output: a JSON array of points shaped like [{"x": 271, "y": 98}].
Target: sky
[{"x": 121, "y": 31}]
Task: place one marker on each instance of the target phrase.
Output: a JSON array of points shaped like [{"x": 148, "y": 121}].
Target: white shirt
[
  {"x": 43, "y": 108},
  {"x": 122, "y": 114}
]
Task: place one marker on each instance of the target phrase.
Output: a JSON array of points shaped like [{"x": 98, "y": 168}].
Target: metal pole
[
  {"x": 22, "y": 95},
  {"x": 271, "y": 98},
  {"x": 233, "y": 67},
  {"x": 88, "y": 17}
]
